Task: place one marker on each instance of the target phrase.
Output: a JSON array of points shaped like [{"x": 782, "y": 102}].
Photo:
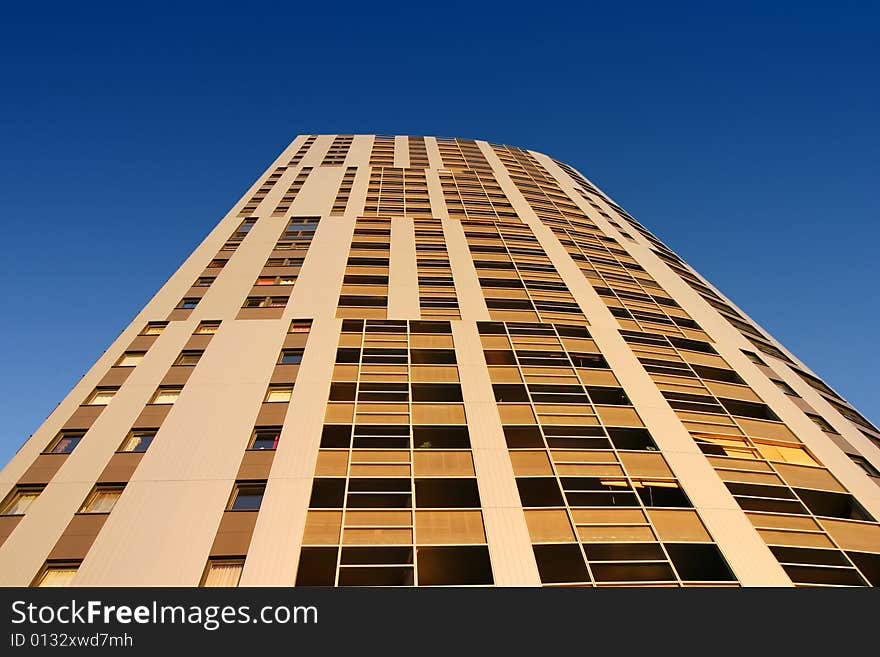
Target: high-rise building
[{"x": 429, "y": 361}]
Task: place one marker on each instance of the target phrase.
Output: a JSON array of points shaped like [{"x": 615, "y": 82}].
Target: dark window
[
  {"x": 388, "y": 392},
  {"x": 266, "y": 438},
  {"x": 631, "y": 438},
  {"x": 317, "y": 566},
  {"x": 691, "y": 345},
  {"x": 662, "y": 495},
  {"x": 558, "y": 394},
  {"x": 342, "y": 391},
  {"x": 632, "y": 572},
  {"x": 364, "y": 556},
  {"x": 247, "y": 496},
  {"x": 869, "y": 564},
  {"x": 717, "y": 374},
  {"x": 576, "y": 437},
  {"x": 432, "y": 356},
  {"x": 539, "y": 491},
  {"x": 348, "y": 355},
  {"x": 377, "y": 436},
  {"x": 523, "y": 437},
  {"x": 499, "y": 357},
  {"x": 699, "y": 562},
  {"x": 832, "y": 505},
  {"x": 430, "y": 327},
  {"x": 436, "y": 392},
  {"x": 450, "y": 437},
  {"x": 508, "y": 392},
  {"x": 454, "y": 565},
  {"x": 336, "y": 436},
  {"x": 589, "y": 360},
  {"x": 65, "y": 442},
  {"x": 612, "y": 396},
  {"x": 748, "y": 409},
  {"x": 291, "y": 357},
  {"x": 327, "y": 494},
  {"x": 362, "y": 300},
  {"x": 561, "y": 563},
  {"x": 447, "y": 493},
  {"x": 624, "y": 552}
]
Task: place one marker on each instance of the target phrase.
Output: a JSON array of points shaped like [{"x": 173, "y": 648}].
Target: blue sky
[{"x": 744, "y": 135}]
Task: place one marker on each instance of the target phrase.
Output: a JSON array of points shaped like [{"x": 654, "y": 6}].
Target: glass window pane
[
  {"x": 138, "y": 441},
  {"x": 20, "y": 502},
  {"x": 101, "y": 501},
  {"x": 58, "y": 576},
  {"x": 223, "y": 573}
]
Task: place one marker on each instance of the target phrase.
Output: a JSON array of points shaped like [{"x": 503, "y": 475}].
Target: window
[
  {"x": 204, "y": 281},
  {"x": 207, "y": 328},
  {"x": 436, "y": 392},
  {"x": 188, "y": 303},
  {"x": 291, "y": 357},
  {"x": 864, "y": 464},
  {"x": 19, "y": 500},
  {"x": 300, "y": 326},
  {"x": 154, "y": 328},
  {"x": 130, "y": 358},
  {"x": 188, "y": 357},
  {"x": 223, "y": 572},
  {"x": 101, "y": 396},
  {"x": 247, "y": 496},
  {"x": 266, "y": 280},
  {"x": 166, "y": 395},
  {"x": 138, "y": 440},
  {"x": 561, "y": 563},
  {"x": 613, "y": 396},
  {"x": 57, "y": 574},
  {"x": 454, "y": 565},
  {"x": 265, "y": 302},
  {"x": 821, "y": 423},
  {"x": 447, "y": 493},
  {"x": 279, "y": 393},
  {"x": 265, "y": 438},
  {"x": 784, "y": 387},
  {"x": 752, "y": 356},
  {"x": 748, "y": 409},
  {"x": 317, "y": 566},
  {"x": 102, "y": 499},
  {"x": 65, "y": 442}
]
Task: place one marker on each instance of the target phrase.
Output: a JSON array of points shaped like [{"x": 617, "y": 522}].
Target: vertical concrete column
[
  {"x": 464, "y": 274},
  {"x": 401, "y": 151},
  {"x": 434, "y": 160},
  {"x": 162, "y": 527},
  {"x": 273, "y": 555},
  {"x": 510, "y": 546},
  {"x": 403, "y": 279},
  {"x": 316, "y": 292}
]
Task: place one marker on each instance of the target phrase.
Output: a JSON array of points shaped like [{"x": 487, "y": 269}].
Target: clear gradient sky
[{"x": 744, "y": 134}]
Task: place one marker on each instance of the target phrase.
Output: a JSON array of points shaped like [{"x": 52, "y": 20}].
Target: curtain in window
[
  {"x": 21, "y": 504},
  {"x": 58, "y": 577},
  {"x": 226, "y": 573},
  {"x": 102, "y": 502}
]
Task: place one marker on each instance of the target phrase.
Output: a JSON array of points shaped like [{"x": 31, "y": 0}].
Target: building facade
[{"x": 427, "y": 361}]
